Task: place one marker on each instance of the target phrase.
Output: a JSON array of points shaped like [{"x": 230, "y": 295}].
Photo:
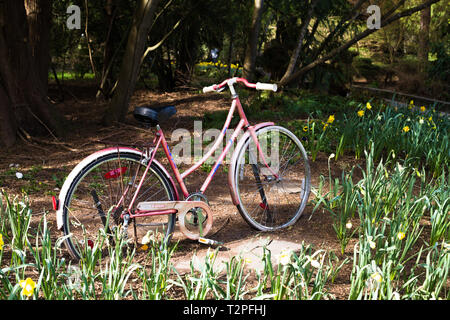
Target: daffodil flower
[
  {"x": 361, "y": 113},
  {"x": 405, "y": 129},
  {"x": 422, "y": 108},
  {"x": 368, "y": 106},
  {"x": 400, "y": 235},
  {"x": 284, "y": 257},
  {"x": 371, "y": 243},
  {"x": 210, "y": 255},
  {"x": 314, "y": 263},
  {"x": 27, "y": 286},
  {"x": 1, "y": 242},
  {"x": 348, "y": 225},
  {"x": 377, "y": 277},
  {"x": 330, "y": 119},
  {"x": 305, "y": 128},
  {"x": 149, "y": 237}
]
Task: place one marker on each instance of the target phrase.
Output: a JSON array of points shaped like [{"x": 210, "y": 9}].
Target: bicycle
[{"x": 119, "y": 185}]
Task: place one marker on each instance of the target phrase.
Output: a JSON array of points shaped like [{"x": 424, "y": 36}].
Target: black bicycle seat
[{"x": 152, "y": 116}]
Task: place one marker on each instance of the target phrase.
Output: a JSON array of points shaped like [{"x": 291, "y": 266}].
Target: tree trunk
[
  {"x": 131, "y": 63},
  {"x": 252, "y": 43},
  {"x": 301, "y": 37},
  {"x": 108, "y": 52},
  {"x": 39, "y": 23},
  {"x": 7, "y": 122},
  {"x": 23, "y": 95},
  {"x": 424, "y": 36}
]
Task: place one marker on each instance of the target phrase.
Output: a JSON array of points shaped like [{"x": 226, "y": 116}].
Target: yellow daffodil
[
  {"x": 305, "y": 128},
  {"x": 368, "y": 106},
  {"x": 144, "y": 247},
  {"x": 430, "y": 119},
  {"x": 325, "y": 125},
  {"x": 361, "y": 113},
  {"x": 400, "y": 235},
  {"x": 1, "y": 242},
  {"x": 377, "y": 277},
  {"x": 417, "y": 172},
  {"x": 330, "y": 119},
  {"x": 27, "y": 286},
  {"x": 405, "y": 129},
  {"x": 422, "y": 108}
]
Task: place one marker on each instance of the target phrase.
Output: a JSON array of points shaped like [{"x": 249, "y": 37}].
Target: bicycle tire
[
  {"x": 75, "y": 238},
  {"x": 265, "y": 199}
]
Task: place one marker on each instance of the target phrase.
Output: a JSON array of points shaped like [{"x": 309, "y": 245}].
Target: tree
[
  {"x": 389, "y": 17},
  {"x": 424, "y": 37},
  {"x": 252, "y": 44},
  {"x": 301, "y": 37},
  {"x": 24, "y": 105},
  {"x": 131, "y": 63},
  {"x": 39, "y": 22}
]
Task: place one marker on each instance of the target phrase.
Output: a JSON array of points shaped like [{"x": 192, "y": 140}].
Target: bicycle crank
[{"x": 200, "y": 209}]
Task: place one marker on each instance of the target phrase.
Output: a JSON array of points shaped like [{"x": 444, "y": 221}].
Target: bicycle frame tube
[{"x": 161, "y": 140}]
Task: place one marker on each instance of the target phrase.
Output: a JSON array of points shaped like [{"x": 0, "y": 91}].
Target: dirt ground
[{"x": 46, "y": 162}]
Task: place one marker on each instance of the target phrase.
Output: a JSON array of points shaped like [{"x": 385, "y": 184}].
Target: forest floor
[{"x": 45, "y": 164}]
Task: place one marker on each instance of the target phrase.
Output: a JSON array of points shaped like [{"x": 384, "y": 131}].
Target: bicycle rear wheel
[
  {"x": 269, "y": 203},
  {"x": 93, "y": 200}
]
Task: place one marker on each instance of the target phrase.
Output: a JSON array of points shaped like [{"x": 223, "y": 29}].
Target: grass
[{"x": 68, "y": 75}]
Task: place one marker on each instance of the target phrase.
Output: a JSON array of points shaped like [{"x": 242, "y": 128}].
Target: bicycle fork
[{"x": 256, "y": 173}]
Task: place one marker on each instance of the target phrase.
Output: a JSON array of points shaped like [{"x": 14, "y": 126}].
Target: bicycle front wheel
[
  {"x": 103, "y": 189},
  {"x": 273, "y": 190}
]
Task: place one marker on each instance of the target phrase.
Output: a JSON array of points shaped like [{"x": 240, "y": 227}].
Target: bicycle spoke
[{"x": 269, "y": 201}]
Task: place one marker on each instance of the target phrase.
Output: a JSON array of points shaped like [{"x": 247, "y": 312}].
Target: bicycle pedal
[{"x": 210, "y": 242}]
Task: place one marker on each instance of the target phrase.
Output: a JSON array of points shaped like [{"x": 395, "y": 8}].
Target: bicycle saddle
[{"x": 152, "y": 116}]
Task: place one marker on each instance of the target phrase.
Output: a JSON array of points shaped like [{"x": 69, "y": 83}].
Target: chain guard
[{"x": 182, "y": 207}]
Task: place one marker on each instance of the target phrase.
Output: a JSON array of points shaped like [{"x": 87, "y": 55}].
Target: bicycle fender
[
  {"x": 79, "y": 167},
  {"x": 232, "y": 166}
]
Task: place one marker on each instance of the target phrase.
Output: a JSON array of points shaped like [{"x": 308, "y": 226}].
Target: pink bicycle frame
[{"x": 161, "y": 140}]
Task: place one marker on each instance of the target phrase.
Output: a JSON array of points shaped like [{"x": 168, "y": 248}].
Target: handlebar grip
[
  {"x": 266, "y": 86},
  {"x": 209, "y": 89}
]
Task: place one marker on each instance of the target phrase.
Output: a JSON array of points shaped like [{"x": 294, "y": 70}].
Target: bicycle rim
[
  {"x": 91, "y": 205},
  {"x": 269, "y": 203}
]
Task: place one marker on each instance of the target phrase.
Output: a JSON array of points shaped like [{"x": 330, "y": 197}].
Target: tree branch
[
  {"x": 360, "y": 36},
  {"x": 295, "y": 54}
]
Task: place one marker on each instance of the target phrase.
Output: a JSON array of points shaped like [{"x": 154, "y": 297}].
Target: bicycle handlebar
[
  {"x": 266, "y": 86},
  {"x": 257, "y": 86}
]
